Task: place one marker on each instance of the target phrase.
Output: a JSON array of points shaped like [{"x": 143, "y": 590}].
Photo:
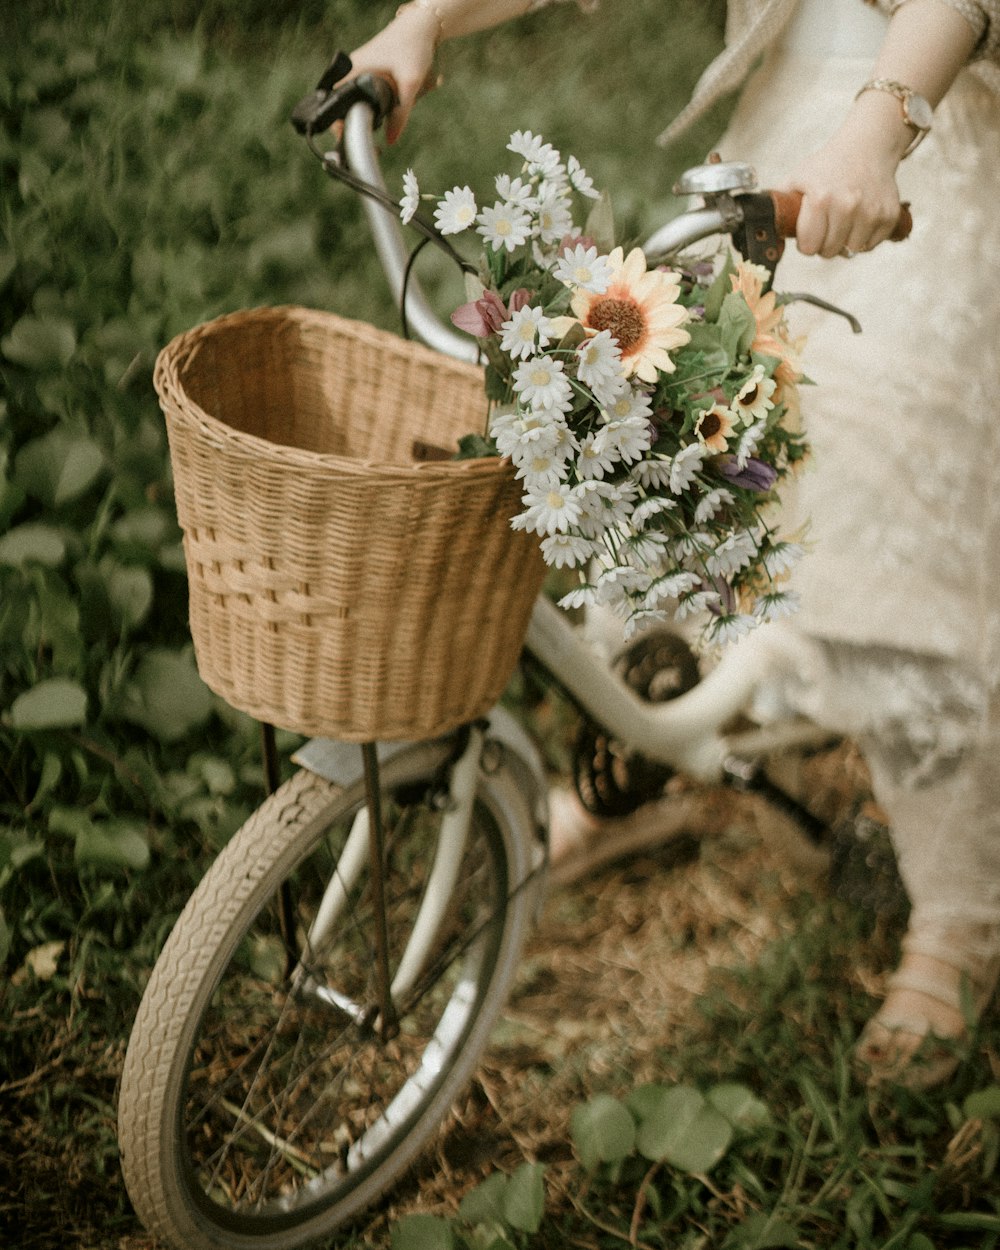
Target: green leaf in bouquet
[
  {"x": 706, "y": 339},
  {"x": 737, "y": 325},
  {"x": 58, "y": 467},
  {"x": 721, "y": 287},
  {"x": 166, "y": 696},
  {"x": 32, "y": 543},
  {"x": 56, "y": 703},
  {"x": 57, "y": 623},
  {"x": 678, "y": 1125},
  {"x": 603, "y": 1131},
  {"x": 40, "y": 342},
  {"x": 475, "y": 447},
  {"x": 600, "y": 224}
]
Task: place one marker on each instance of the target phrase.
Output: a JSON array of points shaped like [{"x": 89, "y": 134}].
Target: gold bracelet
[{"x": 430, "y": 7}]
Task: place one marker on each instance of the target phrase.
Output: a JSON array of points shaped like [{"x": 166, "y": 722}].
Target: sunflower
[
  {"x": 641, "y": 311},
  {"x": 714, "y": 427}
]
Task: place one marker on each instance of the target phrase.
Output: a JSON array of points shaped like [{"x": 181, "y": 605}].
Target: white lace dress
[{"x": 902, "y": 585}]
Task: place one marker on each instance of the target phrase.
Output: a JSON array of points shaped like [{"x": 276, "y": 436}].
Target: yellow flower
[
  {"x": 714, "y": 427},
  {"x": 640, "y": 309},
  {"x": 754, "y": 398},
  {"x": 771, "y": 338}
]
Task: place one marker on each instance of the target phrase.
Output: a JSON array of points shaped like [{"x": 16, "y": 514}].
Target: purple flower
[{"x": 756, "y": 475}]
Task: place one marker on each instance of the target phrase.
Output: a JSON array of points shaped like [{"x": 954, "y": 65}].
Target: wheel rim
[{"x": 294, "y": 1097}]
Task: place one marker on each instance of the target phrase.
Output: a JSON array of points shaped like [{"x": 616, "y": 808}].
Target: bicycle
[{"x": 332, "y": 982}]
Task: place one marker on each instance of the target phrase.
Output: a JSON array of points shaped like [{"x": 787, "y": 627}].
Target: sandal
[{"x": 922, "y": 1031}]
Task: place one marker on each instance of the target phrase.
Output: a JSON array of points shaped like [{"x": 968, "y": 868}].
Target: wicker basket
[{"x": 345, "y": 579}]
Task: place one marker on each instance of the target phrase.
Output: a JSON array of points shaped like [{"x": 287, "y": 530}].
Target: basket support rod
[{"x": 376, "y": 848}]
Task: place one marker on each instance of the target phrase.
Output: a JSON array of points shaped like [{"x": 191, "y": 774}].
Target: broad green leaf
[
  {"x": 737, "y": 325},
  {"x": 524, "y": 1198},
  {"x": 113, "y": 844},
  {"x": 51, "y": 773},
  {"x": 40, "y": 342},
  {"x": 741, "y": 1107},
  {"x": 717, "y": 292},
  {"x": 422, "y": 1232},
  {"x": 268, "y": 957},
  {"x": 32, "y": 543},
  {"x": 129, "y": 590},
  {"x": 983, "y": 1104},
  {"x": 166, "y": 695},
  {"x": 484, "y": 1204},
  {"x": 761, "y": 1231},
  {"x": 58, "y": 467},
  {"x": 603, "y": 1131},
  {"x": 43, "y": 960},
  {"x": 5, "y": 938},
  {"x": 56, "y": 703},
  {"x": 678, "y": 1125}
]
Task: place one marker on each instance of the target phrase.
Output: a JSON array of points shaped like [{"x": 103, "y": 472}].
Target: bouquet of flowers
[{"x": 651, "y": 412}]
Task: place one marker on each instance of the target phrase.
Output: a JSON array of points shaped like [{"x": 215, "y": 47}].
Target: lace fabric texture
[{"x": 900, "y": 588}]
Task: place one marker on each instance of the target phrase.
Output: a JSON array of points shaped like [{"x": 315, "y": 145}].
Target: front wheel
[{"x": 268, "y": 1095}]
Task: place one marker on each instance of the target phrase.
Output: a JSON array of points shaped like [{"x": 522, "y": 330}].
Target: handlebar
[{"x": 758, "y": 222}]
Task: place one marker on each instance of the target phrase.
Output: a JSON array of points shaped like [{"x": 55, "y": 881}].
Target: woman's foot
[{"x": 921, "y": 1032}]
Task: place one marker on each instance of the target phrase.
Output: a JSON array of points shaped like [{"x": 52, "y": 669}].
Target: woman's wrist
[{"x": 876, "y": 122}]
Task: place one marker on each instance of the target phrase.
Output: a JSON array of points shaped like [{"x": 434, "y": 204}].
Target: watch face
[{"x": 919, "y": 112}]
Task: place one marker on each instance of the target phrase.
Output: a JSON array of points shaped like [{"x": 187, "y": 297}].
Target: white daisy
[
  {"x": 643, "y": 618},
  {"x": 599, "y": 359},
  {"x": 650, "y": 508},
  {"x": 527, "y": 434},
  {"x": 541, "y": 471},
  {"x": 747, "y": 445},
  {"x": 456, "y": 212},
  {"x": 515, "y": 191},
  {"x": 538, "y": 155},
  {"x": 526, "y": 331},
  {"x": 622, "y": 578},
  {"x": 609, "y": 393},
  {"x": 731, "y": 627},
  {"x": 654, "y": 473},
  {"x": 411, "y": 197},
  {"x": 554, "y": 218},
  {"x": 582, "y": 597},
  {"x": 595, "y": 458},
  {"x": 566, "y": 551},
  {"x": 583, "y": 267},
  {"x": 694, "y": 603},
  {"x": 732, "y": 554},
  {"x": 782, "y": 557},
  {"x": 504, "y": 225},
  {"x": 630, "y": 402},
  {"x": 711, "y": 504},
  {"x": 685, "y": 467},
  {"x": 580, "y": 180},
  {"x": 777, "y": 604},
  {"x": 549, "y": 511},
  {"x": 630, "y": 438},
  {"x": 541, "y": 383}
]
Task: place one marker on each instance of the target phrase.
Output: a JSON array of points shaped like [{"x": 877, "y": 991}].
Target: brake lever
[{"x": 328, "y": 103}]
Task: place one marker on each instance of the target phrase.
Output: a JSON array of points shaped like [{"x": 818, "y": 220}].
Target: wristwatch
[{"x": 917, "y": 112}]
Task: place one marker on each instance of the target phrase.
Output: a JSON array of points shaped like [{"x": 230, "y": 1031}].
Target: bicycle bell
[{"x": 716, "y": 178}]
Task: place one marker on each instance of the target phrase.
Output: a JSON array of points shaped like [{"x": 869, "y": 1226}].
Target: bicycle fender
[{"x": 341, "y": 764}]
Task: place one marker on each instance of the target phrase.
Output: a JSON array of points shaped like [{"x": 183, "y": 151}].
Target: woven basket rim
[{"x": 177, "y": 404}]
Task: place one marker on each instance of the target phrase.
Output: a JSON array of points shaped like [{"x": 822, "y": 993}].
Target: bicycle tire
[{"x": 245, "y": 1117}]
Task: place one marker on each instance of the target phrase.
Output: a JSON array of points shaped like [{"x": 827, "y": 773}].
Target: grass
[{"x": 150, "y": 180}]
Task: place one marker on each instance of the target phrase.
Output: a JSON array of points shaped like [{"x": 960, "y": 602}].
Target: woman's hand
[
  {"x": 403, "y": 52},
  {"x": 850, "y": 200}
]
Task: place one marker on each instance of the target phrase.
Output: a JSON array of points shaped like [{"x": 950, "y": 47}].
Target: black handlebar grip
[{"x": 330, "y": 103}]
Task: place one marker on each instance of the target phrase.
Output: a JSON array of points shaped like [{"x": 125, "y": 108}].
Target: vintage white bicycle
[{"x": 331, "y": 984}]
